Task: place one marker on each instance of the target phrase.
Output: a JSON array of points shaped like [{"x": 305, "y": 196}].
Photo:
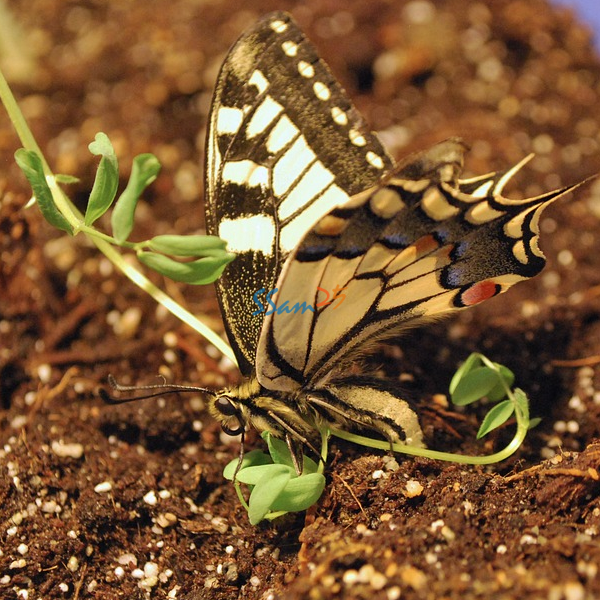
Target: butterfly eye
[{"x": 226, "y": 407}]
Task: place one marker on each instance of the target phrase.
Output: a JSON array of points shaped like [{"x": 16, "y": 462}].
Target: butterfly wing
[
  {"x": 407, "y": 250},
  {"x": 284, "y": 146}
]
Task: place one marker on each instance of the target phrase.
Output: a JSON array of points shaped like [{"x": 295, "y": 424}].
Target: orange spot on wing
[
  {"x": 425, "y": 244},
  {"x": 478, "y": 292}
]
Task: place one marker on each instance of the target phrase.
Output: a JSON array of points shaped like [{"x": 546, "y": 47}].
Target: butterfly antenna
[{"x": 157, "y": 390}]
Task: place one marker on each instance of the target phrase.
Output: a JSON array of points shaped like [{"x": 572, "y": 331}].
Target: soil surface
[{"x": 129, "y": 501}]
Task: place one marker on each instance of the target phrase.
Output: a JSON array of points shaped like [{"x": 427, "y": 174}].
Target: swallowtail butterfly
[{"x": 311, "y": 202}]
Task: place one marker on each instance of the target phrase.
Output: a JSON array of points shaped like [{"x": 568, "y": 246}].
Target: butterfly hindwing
[
  {"x": 404, "y": 251},
  {"x": 284, "y": 147}
]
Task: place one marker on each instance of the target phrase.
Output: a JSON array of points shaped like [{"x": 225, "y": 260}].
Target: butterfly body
[
  {"x": 311, "y": 203},
  {"x": 350, "y": 404}
]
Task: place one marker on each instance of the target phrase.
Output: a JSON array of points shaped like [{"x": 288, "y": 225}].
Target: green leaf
[
  {"x": 188, "y": 245},
  {"x": 471, "y": 363},
  {"x": 300, "y": 493},
  {"x": 522, "y": 402},
  {"x": 31, "y": 164},
  {"x": 266, "y": 491},
  {"x": 252, "y": 475},
  {"x": 497, "y": 416},
  {"x": 197, "y": 272},
  {"x": 107, "y": 179},
  {"x": 280, "y": 454},
  {"x": 534, "y": 422},
  {"x": 144, "y": 171},
  {"x": 308, "y": 466},
  {"x": 474, "y": 385},
  {"x": 498, "y": 392},
  {"x": 279, "y": 451},
  {"x": 101, "y": 146},
  {"x": 253, "y": 458},
  {"x": 66, "y": 179}
]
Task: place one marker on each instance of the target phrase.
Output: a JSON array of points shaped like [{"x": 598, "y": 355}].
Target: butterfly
[{"x": 310, "y": 201}]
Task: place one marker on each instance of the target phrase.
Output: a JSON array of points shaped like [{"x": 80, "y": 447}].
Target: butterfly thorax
[{"x": 284, "y": 415}]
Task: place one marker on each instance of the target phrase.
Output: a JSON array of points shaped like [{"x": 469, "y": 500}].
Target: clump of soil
[{"x": 129, "y": 502}]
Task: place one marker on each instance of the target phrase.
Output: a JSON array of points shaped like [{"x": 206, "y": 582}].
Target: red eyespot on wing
[{"x": 478, "y": 292}]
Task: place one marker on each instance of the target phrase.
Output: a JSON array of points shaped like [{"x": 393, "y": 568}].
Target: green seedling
[
  {"x": 192, "y": 259},
  {"x": 479, "y": 378},
  {"x": 275, "y": 487},
  {"x": 210, "y": 252}
]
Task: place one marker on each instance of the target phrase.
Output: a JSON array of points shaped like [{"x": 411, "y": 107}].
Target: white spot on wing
[
  {"x": 331, "y": 226},
  {"x": 339, "y": 116},
  {"x": 263, "y": 117},
  {"x": 313, "y": 182},
  {"x": 357, "y": 138},
  {"x": 306, "y": 69},
  {"x": 245, "y": 172},
  {"x": 386, "y": 203},
  {"x": 255, "y": 233},
  {"x": 411, "y": 185},
  {"x": 374, "y": 160},
  {"x": 483, "y": 190},
  {"x": 259, "y": 80},
  {"x": 322, "y": 92},
  {"x": 436, "y": 206},
  {"x": 281, "y": 135},
  {"x": 482, "y": 212},
  {"x": 290, "y": 48},
  {"x": 289, "y": 167},
  {"x": 213, "y": 162},
  {"x": 295, "y": 230},
  {"x": 279, "y": 26},
  {"x": 514, "y": 227},
  {"x": 520, "y": 252},
  {"x": 229, "y": 120}
]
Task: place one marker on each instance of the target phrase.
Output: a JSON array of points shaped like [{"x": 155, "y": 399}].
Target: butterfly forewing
[
  {"x": 284, "y": 147},
  {"x": 407, "y": 250}
]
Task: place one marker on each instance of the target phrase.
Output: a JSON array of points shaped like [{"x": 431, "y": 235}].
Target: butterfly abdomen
[{"x": 367, "y": 404}]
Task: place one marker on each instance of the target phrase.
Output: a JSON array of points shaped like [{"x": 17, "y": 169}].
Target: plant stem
[
  {"x": 164, "y": 299},
  {"x": 238, "y": 491},
  {"x": 18, "y": 120},
  {"x": 435, "y": 454}
]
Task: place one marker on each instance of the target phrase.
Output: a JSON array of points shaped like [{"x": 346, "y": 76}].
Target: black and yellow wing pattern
[{"x": 284, "y": 147}]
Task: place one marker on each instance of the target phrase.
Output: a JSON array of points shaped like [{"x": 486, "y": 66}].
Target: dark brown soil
[{"x": 511, "y": 77}]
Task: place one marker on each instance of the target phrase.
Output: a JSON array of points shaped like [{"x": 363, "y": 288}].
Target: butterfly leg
[{"x": 295, "y": 441}]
